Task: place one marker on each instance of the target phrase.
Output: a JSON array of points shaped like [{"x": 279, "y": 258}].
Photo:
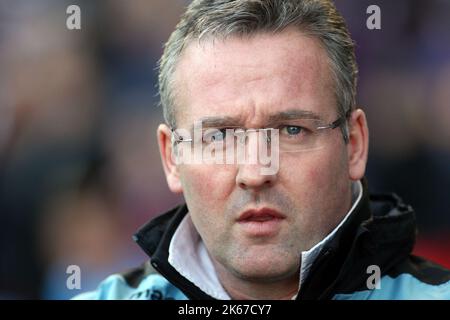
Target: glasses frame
[{"x": 333, "y": 125}]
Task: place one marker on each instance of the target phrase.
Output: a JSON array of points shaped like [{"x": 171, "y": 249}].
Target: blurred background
[{"x": 79, "y": 164}]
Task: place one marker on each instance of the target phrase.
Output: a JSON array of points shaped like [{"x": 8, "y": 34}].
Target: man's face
[{"x": 250, "y": 80}]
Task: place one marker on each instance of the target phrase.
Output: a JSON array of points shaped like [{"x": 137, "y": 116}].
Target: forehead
[{"x": 253, "y": 78}]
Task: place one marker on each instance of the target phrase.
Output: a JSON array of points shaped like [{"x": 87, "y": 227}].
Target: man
[{"x": 307, "y": 229}]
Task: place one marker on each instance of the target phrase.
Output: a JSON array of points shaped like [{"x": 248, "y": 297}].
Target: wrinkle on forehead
[{"x": 247, "y": 77}]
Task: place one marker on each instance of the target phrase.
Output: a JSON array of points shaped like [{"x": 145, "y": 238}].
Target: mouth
[{"x": 260, "y": 223}]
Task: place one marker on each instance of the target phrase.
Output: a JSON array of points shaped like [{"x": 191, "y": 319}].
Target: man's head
[
  {"x": 248, "y": 62},
  {"x": 207, "y": 20}
]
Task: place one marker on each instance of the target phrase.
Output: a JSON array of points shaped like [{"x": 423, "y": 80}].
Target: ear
[
  {"x": 358, "y": 145},
  {"x": 164, "y": 135}
]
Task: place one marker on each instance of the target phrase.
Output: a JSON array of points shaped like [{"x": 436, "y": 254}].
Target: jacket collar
[
  {"x": 154, "y": 238},
  {"x": 381, "y": 233}
]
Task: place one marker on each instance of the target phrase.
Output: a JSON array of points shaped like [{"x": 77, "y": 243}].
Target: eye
[
  {"x": 292, "y": 130},
  {"x": 220, "y": 135},
  {"x": 213, "y": 135}
]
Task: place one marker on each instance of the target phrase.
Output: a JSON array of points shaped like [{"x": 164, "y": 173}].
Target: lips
[
  {"x": 260, "y": 223},
  {"x": 260, "y": 215}
]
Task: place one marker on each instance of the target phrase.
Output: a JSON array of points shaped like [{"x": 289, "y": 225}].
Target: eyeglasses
[{"x": 287, "y": 136}]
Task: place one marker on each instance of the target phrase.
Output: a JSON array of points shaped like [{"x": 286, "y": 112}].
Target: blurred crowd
[{"x": 79, "y": 164}]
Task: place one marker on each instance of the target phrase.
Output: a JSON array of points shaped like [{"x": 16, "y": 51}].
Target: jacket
[{"x": 378, "y": 237}]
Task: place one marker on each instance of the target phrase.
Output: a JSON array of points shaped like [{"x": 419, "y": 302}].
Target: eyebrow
[
  {"x": 218, "y": 121},
  {"x": 227, "y": 121},
  {"x": 293, "y": 114}
]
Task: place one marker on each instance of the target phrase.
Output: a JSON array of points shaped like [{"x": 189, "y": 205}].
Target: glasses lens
[
  {"x": 287, "y": 136},
  {"x": 301, "y": 135}
]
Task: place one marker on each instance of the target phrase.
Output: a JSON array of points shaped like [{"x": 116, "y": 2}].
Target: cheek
[
  {"x": 323, "y": 170},
  {"x": 206, "y": 190},
  {"x": 312, "y": 175},
  {"x": 207, "y": 183},
  {"x": 304, "y": 172}
]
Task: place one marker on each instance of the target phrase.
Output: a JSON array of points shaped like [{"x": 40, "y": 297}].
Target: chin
[{"x": 265, "y": 268}]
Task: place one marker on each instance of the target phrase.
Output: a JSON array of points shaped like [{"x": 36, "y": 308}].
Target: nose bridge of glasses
[
  {"x": 253, "y": 147},
  {"x": 253, "y": 135}
]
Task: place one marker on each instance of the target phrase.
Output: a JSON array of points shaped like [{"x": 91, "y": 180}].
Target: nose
[{"x": 249, "y": 176}]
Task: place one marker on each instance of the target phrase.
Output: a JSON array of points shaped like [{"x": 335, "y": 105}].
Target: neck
[{"x": 257, "y": 289}]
